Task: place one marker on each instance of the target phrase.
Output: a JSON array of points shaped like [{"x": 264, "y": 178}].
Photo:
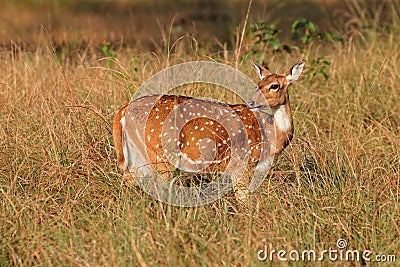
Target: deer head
[{"x": 272, "y": 90}]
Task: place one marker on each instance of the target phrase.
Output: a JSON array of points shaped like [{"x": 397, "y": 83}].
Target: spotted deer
[{"x": 164, "y": 132}]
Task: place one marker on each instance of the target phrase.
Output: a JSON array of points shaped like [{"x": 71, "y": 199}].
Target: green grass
[{"x": 62, "y": 201}]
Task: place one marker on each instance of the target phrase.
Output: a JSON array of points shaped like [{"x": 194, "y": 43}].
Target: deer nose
[{"x": 251, "y": 103}]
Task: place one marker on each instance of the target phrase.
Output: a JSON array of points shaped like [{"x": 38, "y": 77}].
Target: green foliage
[
  {"x": 134, "y": 64},
  {"x": 266, "y": 34},
  {"x": 267, "y": 40},
  {"x": 318, "y": 67},
  {"x": 306, "y": 31},
  {"x": 108, "y": 52}
]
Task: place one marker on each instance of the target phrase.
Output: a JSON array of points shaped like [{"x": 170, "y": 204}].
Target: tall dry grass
[{"x": 62, "y": 201}]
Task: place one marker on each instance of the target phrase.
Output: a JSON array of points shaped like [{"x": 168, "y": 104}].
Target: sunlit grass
[{"x": 62, "y": 201}]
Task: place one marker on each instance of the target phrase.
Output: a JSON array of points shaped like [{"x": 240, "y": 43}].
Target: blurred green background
[{"x": 142, "y": 23}]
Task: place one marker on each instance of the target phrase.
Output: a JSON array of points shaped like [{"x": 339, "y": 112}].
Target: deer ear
[
  {"x": 294, "y": 72},
  {"x": 262, "y": 72}
]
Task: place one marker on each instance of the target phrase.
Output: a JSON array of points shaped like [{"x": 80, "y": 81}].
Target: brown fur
[
  {"x": 117, "y": 136},
  {"x": 187, "y": 134}
]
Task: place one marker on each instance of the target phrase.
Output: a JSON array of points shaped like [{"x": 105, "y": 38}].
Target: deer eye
[{"x": 274, "y": 87}]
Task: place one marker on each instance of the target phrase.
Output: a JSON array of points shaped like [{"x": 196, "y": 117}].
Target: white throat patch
[{"x": 281, "y": 118}]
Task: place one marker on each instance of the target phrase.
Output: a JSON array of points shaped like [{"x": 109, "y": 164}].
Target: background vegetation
[{"x": 68, "y": 65}]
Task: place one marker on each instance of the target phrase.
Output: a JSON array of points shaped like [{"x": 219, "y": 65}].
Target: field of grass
[{"x": 62, "y": 200}]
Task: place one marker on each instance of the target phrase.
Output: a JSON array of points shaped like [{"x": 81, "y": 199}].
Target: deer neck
[
  {"x": 283, "y": 117},
  {"x": 284, "y": 127},
  {"x": 280, "y": 116}
]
